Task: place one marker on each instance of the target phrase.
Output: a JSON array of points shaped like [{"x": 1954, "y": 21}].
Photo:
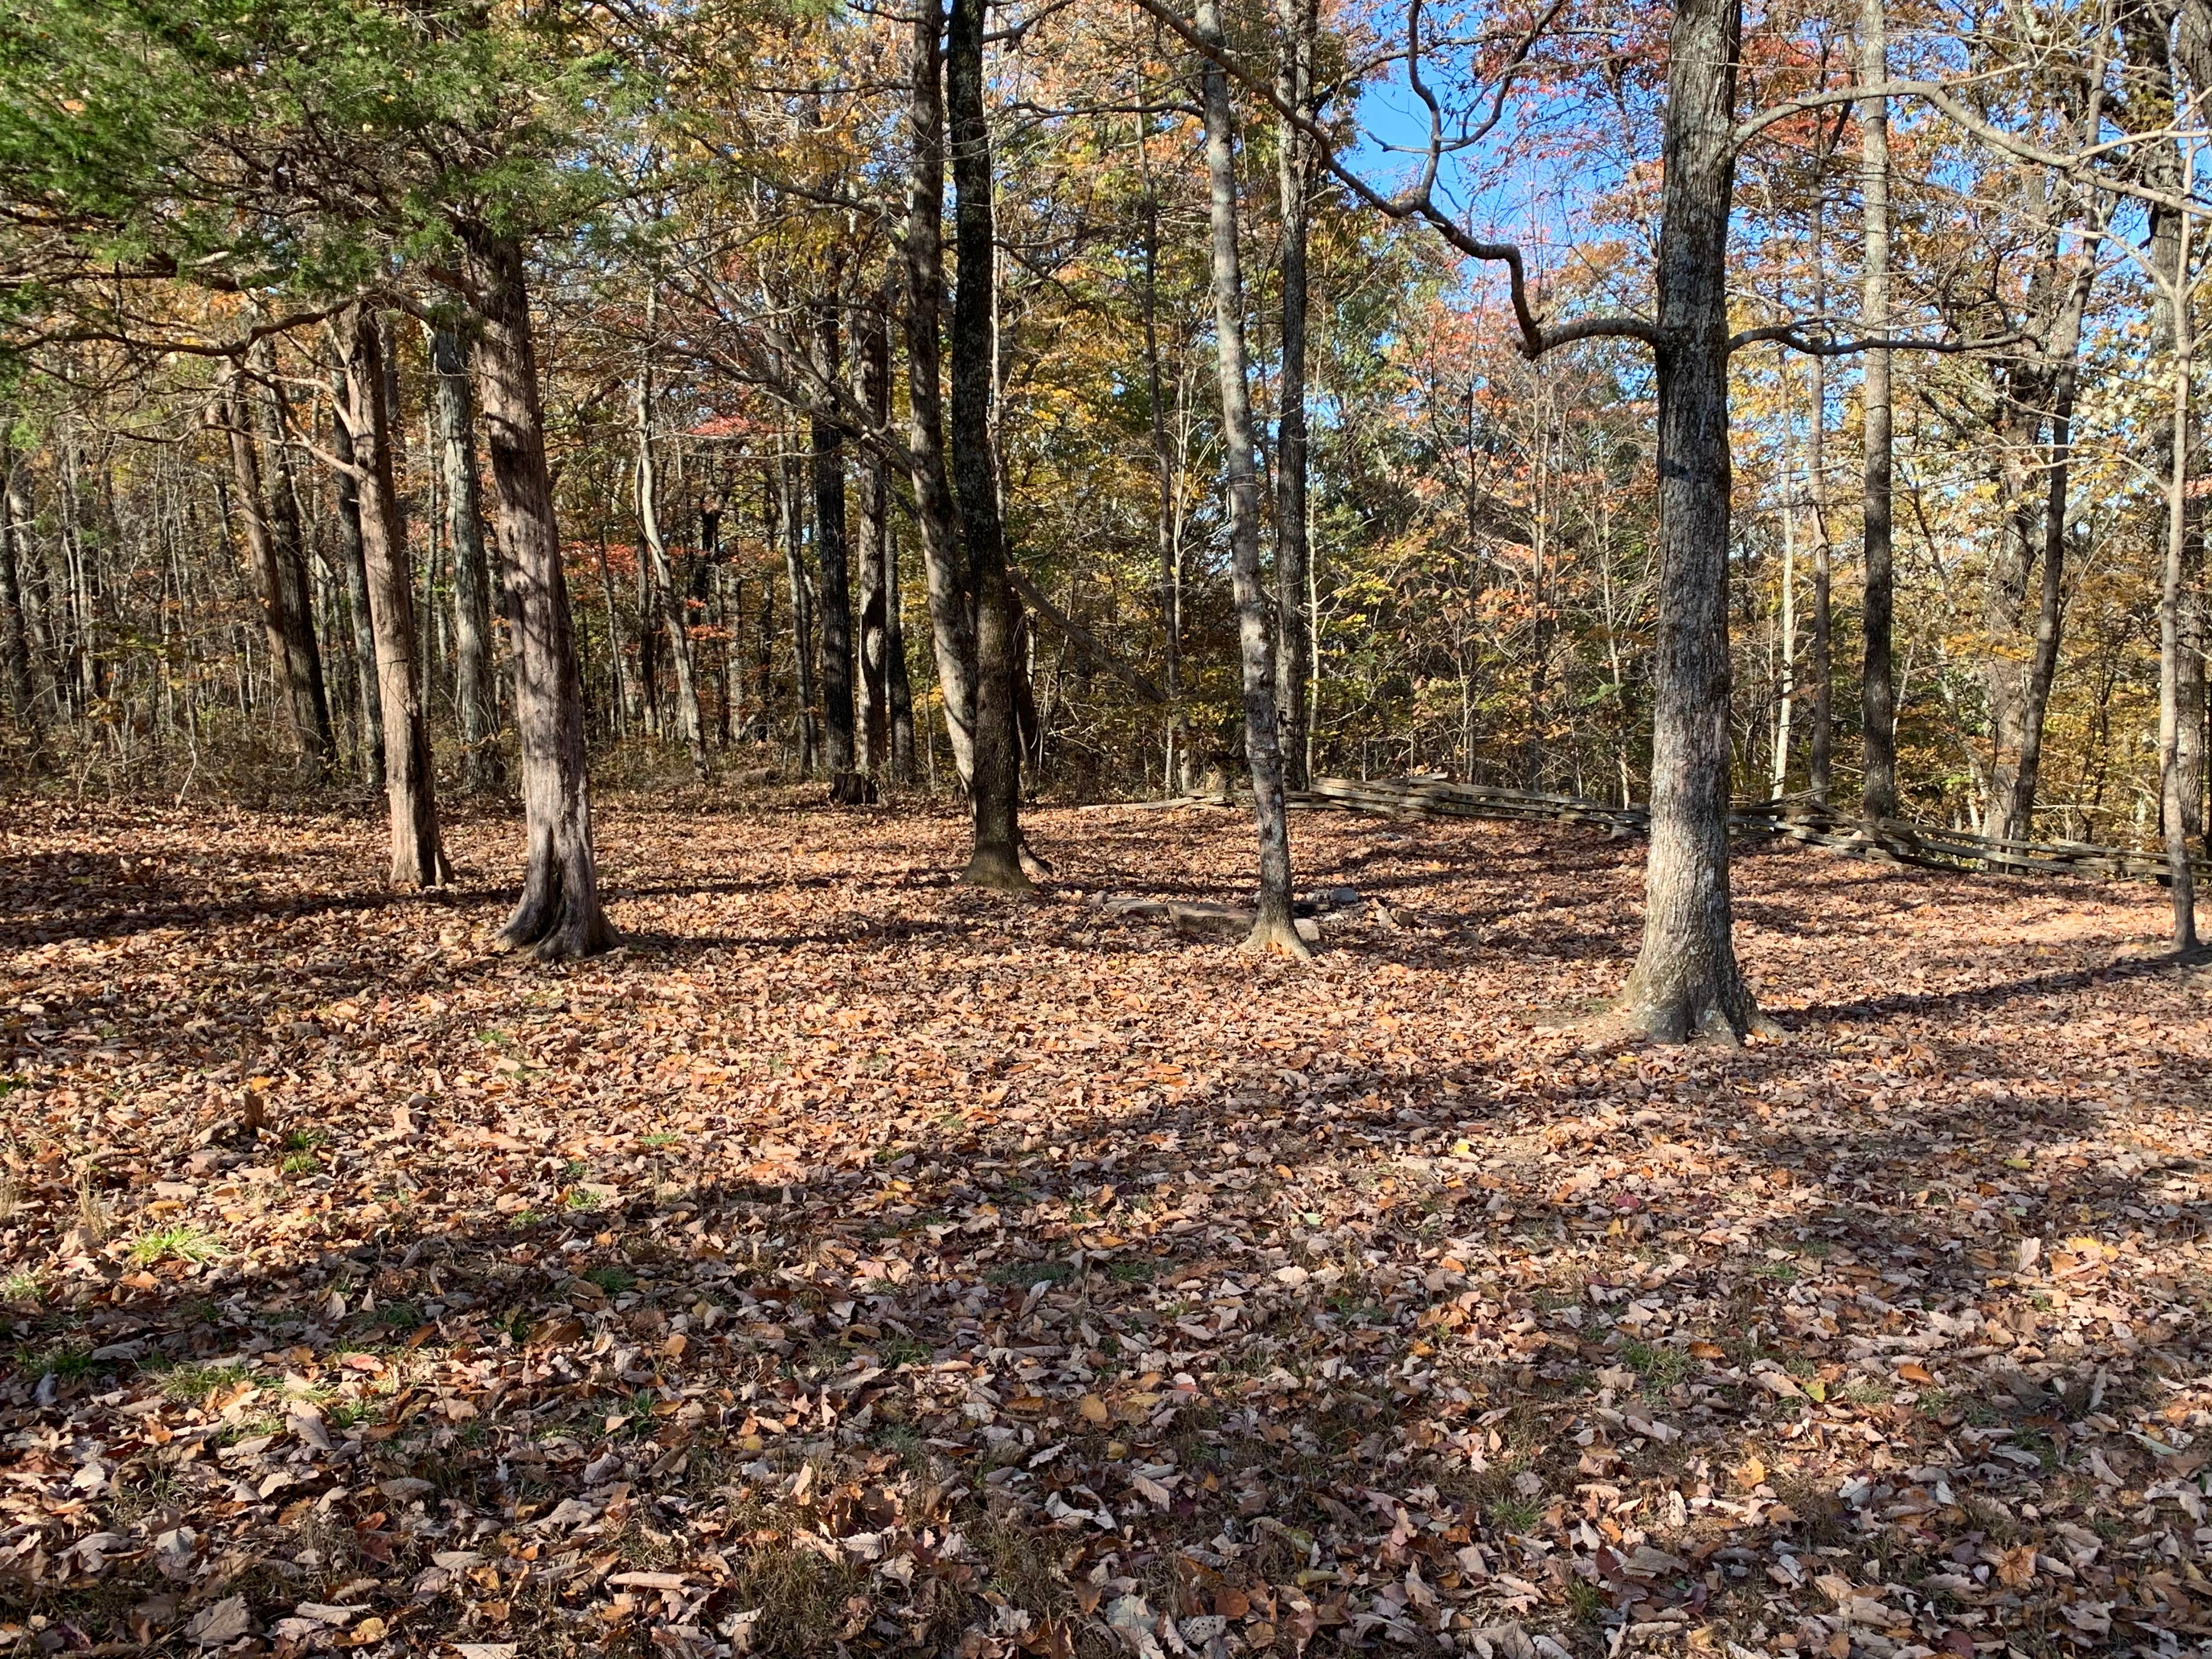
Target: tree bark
[
  {"x": 996, "y": 783},
  {"x": 1685, "y": 982},
  {"x": 1878, "y": 681},
  {"x": 14, "y": 616},
  {"x": 951, "y": 614},
  {"x": 2180, "y": 715},
  {"x": 1294, "y": 655},
  {"x": 1820, "y": 664},
  {"x": 290, "y": 543},
  {"x": 831, "y": 551},
  {"x": 357, "y": 581},
  {"x": 1273, "y": 927},
  {"x": 690, "y": 723},
  {"x": 1165, "y": 546},
  {"x": 279, "y": 585},
  {"x": 558, "y": 914},
  {"x": 878, "y": 555},
  {"x": 802, "y": 618},
  {"x": 418, "y": 858},
  {"x": 474, "y": 698}
]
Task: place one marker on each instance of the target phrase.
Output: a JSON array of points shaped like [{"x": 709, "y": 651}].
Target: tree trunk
[
  {"x": 356, "y": 580},
  {"x": 690, "y": 725},
  {"x": 996, "y": 783},
  {"x": 284, "y": 622},
  {"x": 1272, "y": 929},
  {"x": 1878, "y": 682},
  {"x": 2043, "y": 665},
  {"x": 289, "y": 542},
  {"x": 951, "y": 615},
  {"x": 1820, "y": 652},
  {"x": 1163, "y": 515},
  {"x": 479, "y": 706},
  {"x": 558, "y": 914},
  {"x": 14, "y": 617},
  {"x": 802, "y": 618},
  {"x": 418, "y": 860},
  {"x": 2180, "y": 665},
  {"x": 1294, "y": 655},
  {"x": 831, "y": 553},
  {"x": 879, "y": 557},
  {"x": 1685, "y": 982}
]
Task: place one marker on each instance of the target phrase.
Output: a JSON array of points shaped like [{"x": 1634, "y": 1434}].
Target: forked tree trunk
[
  {"x": 1295, "y": 645},
  {"x": 831, "y": 551},
  {"x": 455, "y": 409},
  {"x": 288, "y": 540},
  {"x": 952, "y": 617},
  {"x": 878, "y": 559},
  {"x": 284, "y": 623},
  {"x": 995, "y": 784},
  {"x": 418, "y": 858},
  {"x": 1878, "y": 682},
  {"x": 357, "y": 581},
  {"x": 1685, "y": 982},
  {"x": 558, "y": 914},
  {"x": 669, "y": 600},
  {"x": 1273, "y": 928}
]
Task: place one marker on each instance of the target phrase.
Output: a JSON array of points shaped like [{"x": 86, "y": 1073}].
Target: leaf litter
[{"x": 855, "y": 1262}]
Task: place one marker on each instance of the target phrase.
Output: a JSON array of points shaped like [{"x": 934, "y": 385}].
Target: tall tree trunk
[
  {"x": 802, "y": 618},
  {"x": 1878, "y": 681},
  {"x": 1272, "y": 929},
  {"x": 284, "y": 623},
  {"x": 995, "y": 784},
  {"x": 950, "y": 594},
  {"x": 350, "y": 560},
  {"x": 479, "y": 706},
  {"x": 831, "y": 554},
  {"x": 289, "y": 543},
  {"x": 1685, "y": 982},
  {"x": 558, "y": 914},
  {"x": 1163, "y": 515},
  {"x": 898, "y": 684},
  {"x": 2043, "y": 664},
  {"x": 1820, "y": 666},
  {"x": 690, "y": 725},
  {"x": 879, "y": 554},
  {"x": 418, "y": 858},
  {"x": 1294, "y": 653},
  {"x": 14, "y": 617},
  {"x": 765, "y": 637},
  {"x": 2180, "y": 666}
]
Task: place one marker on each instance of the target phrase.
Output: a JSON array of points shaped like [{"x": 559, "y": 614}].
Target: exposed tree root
[
  {"x": 1703, "y": 1020},
  {"x": 1273, "y": 936},
  {"x": 998, "y": 870}
]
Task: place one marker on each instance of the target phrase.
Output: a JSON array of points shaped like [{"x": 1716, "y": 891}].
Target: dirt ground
[{"x": 854, "y": 1263}]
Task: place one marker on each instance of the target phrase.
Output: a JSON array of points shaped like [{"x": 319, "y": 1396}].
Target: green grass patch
[
  {"x": 1659, "y": 1366},
  {"x": 188, "y": 1383},
  {"x": 305, "y": 1140},
  {"x": 177, "y": 1241},
  {"x": 613, "y": 1280},
  {"x": 1026, "y": 1273},
  {"x": 1129, "y": 1270}
]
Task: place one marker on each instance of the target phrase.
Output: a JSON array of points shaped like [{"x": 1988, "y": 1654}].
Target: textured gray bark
[
  {"x": 279, "y": 584},
  {"x": 455, "y": 407},
  {"x": 1273, "y": 927},
  {"x": 558, "y": 914},
  {"x": 1164, "y": 541},
  {"x": 418, "y": 858},
  {"x": 951, "y": 615},
  {"x": 289, "y": 544},
  {"x": 1294, "y": 168},
  {"x": 995, "y": 778},
  {"x": 802, "y": 616},
  {"x": 14, "y": 620},
  {"x": 1878, "y": 677},
  {"x": 878, "y": 554},
  {"x": 832, "y": 553},
  {"x": 355, "y": 572},
  {"x": 667, "y": 596},
  {"x": 1685, "y": 982}
]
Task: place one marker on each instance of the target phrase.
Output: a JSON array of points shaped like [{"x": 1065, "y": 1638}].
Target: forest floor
[{"x": 858, "y": 1263}]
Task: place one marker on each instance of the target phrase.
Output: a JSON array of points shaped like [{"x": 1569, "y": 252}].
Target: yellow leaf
[
  {"x": 1911, "y": 1372},
  {"x": 1094, "y": 1410}
]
